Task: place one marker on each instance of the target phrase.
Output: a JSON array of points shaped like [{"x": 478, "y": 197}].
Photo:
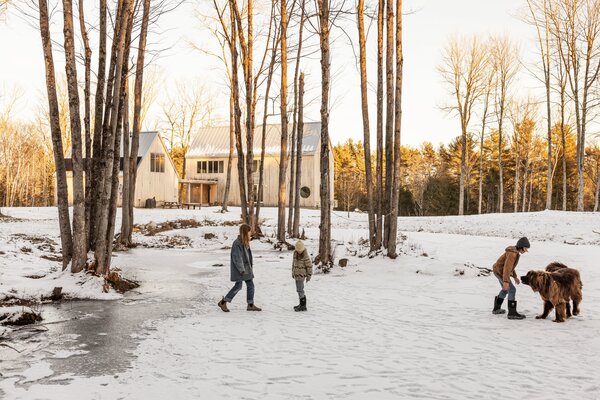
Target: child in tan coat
[
  {"x": 301, "y": 271},
  {"x": 503, "y": 270}
]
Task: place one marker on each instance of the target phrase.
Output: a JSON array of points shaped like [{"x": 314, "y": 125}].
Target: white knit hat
[{"x": 299, "y": 246}]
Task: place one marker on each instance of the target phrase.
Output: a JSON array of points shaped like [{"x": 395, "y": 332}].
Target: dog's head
[{"x": 535, "y": 279}]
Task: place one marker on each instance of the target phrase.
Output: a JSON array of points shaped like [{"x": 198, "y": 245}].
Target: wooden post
[{"x": 201, "y": 194}]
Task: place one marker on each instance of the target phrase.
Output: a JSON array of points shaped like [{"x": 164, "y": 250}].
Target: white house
[
  {"x": 156, "y": 174},
  {"x": 207, "y": 158}
]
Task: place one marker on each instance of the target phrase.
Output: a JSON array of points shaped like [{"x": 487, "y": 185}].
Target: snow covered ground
[{"x": 416, "y": 327}]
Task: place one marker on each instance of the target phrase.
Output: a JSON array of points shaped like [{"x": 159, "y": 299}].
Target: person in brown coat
[
  {"x": 301, "y": 271},
  {"x": 503, "y": 270}
]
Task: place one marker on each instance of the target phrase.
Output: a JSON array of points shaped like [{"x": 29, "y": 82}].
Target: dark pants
[{"x": 237, "y": 287}]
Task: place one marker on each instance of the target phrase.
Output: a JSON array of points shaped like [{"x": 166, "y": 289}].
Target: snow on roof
[{"x": 214, "y": 141}]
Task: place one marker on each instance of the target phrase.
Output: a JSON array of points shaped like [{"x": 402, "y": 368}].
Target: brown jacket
[
  {"x": 506, "y": 264},
  {"x": 302, "y": 265}
]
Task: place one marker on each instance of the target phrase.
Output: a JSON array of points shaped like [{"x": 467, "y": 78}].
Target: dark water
[{"x": 108, "y": 332}]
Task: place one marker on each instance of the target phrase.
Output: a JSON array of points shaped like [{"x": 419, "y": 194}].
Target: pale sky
[{"x": 427, "y": 27}]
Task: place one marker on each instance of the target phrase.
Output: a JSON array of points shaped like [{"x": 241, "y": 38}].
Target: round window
[{"x": 305, "y": 192}]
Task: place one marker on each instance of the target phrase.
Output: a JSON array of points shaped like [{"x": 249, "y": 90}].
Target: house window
[
  {"x": 157, "y": 162},
  {"x": 305, "y": 192},
  {"x": 255, "y": 165},
  {"x": 209, "y": 167}
]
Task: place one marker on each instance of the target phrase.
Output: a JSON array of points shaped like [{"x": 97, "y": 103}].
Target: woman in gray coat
[{"x": 241, "y": 270}]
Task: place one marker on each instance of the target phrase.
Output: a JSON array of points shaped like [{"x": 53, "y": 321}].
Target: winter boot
[
  {"x": 512, "y": 311},
  {"x": 223, "y": 305},
  {"x": 302, "y": 305},
  {"x": 252, "y": 307},
  {"x": 298, "y": 306},
  {"x": 498, "y": 306}
]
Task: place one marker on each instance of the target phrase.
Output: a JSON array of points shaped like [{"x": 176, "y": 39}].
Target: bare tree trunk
[
  {"x": 517, "y": 173},
  {"x": 500, "y": 171},
  {"x": 261, "y": 167},
  {"x": 365, "y": 115},
  {"x": 389, "y": 126},
  {"x": 544, "y": 44},
  {"x": 248, "y": 65},
  {"x": 525, "y": 178},
  {"x": 230, "y": 159},
  {"x": 137, "y": 121},
  {"x": 284, "y": 126},
  {"x": 597, "y": 196},
  {"x": 104, "y": 243},
  {"x": 125, "y": 192},
  {"x": 79, "y": 232},
  {"x": 483, "y": 122},
  {"x": 397, "y": 130},
  {"x": 379, "y": 166},
  {"x": 57, "y": 146},
  {"x": 98, "y": 129},
  {"x": 325, "y": 257},
  {"x": 295, "y": 147},
  {"x": 86, "y": 120},
  {"x": 237, "y": 118},
  {"x": 296, "y": 228}
]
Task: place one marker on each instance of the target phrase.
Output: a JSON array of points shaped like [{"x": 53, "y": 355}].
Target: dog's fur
[{"x": 557, "y": 285}]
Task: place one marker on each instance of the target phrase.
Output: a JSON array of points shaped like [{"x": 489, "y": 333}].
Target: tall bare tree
[
  {"x": 296, "y": 223},
  {"x": 365, "y": 117},
  {"x": 79, "y": 236},
  {"x": 284, "y": 125},
  {"x": 506, "y": 65},
  {"x": 389, "y": 116},
  {"x": 325, "y": 256},
  {"x": 490, "y": 73},
  {"x": 379, "y": 155},
  {"x": 540, "y": 19},
  {"x": 130, "y": 159},
  {"x": 397, "y": 131},
  {"x": 295, "y": 147},
  {"x": 273, "y": 47},
  {"x": 463, "y": 69},
  {"x": 57, "y": 145}
]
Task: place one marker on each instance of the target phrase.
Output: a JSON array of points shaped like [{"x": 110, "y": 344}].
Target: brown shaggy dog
[{"x": 557, "y": 286}]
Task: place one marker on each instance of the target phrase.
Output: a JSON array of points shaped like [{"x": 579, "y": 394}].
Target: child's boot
[
  {"x": 512, "y": 310},
  {"x": 302, "y": 305},
  {"x": 298, "y": 306},
  {"x": 498, "y": 306}
]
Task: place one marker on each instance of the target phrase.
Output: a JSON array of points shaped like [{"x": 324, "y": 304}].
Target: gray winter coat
[{"x": 241, "y": 262}]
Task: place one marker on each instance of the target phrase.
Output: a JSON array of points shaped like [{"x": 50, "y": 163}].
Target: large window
[
  {"x": 209, "y": 167},
  {"x": 157, "y": 162}
]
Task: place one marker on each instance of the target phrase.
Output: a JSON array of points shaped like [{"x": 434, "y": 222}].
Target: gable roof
[
  {"x": 146, "y": 139},
  {"x": 214, "y": 141}
]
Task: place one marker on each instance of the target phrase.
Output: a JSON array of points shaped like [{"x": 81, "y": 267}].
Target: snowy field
[{"x": 418, "y": 327}]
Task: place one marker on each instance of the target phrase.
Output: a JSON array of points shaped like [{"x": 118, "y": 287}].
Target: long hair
[{"x": 245, "y": 235}]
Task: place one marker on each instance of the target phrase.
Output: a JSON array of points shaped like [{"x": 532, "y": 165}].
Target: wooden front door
[{"x": 195, "y": 193}]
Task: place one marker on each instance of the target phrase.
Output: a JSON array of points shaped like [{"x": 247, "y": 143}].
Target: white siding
[
  {"x": 160, "y": 185},
  {"x": 310, "y": 178}
]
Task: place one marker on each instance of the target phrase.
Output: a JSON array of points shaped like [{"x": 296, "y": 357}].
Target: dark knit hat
[{"x": 523, "y": 242}]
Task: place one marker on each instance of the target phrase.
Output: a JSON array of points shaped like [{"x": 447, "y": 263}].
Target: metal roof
[
  {"x": 214, "y": 141},
  {"x": 146, "y": 139}
]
